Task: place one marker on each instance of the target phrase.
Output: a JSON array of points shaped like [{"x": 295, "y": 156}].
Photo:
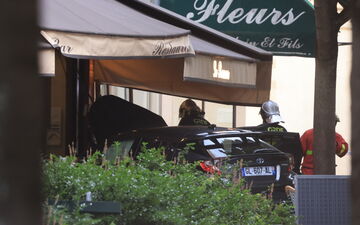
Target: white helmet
[{"x": 270, "y": 112}]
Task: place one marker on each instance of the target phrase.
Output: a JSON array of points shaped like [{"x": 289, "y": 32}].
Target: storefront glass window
[
  {"x": 170, "y": 108},
  {"x": 120, "y": 92},
  {"x": 148, "y": 100},
  {"x": 219, "y": 114}
]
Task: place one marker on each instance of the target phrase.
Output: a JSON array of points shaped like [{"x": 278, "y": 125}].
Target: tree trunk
[
  {"x": 21, "y": 119},
  {"x": 325, "y": 86},
  {"x": 355, "y": 112}
]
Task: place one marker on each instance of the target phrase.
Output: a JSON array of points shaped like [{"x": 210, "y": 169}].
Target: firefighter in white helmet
[{"x": 270, "y": 114}]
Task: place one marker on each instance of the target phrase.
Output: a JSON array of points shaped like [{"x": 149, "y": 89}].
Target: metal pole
[
  {"x": 131, "y": 95},
  {"x": 77, "y": 108},
  {"x": 234, "y": 117}
]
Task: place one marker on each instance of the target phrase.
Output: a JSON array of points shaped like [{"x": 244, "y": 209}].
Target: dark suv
[{"x": 216, "y": 150}]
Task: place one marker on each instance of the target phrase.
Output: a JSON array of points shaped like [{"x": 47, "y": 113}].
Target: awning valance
[
  {"x": 166, "y": 76},
  {"x": 217, "y": 65},
  {"x": 93, "y": 46}
]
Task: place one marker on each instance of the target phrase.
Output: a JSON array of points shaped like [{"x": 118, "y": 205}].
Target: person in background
[
  {"x": 191, "y": 114},
  {"x": 270, "y": 115},
  {"x": 281, "y": 139},
  {"x": 307, "y": 140}
]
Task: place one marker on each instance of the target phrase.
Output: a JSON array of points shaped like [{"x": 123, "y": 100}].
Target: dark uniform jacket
[
  {"x": 194, "y": 120},
  {"x": 269, "y": 127},
  {"x": 286, "y": 143}
]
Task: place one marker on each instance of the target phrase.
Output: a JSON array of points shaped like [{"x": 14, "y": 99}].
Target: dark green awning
[{"x": 283, "y": 27}]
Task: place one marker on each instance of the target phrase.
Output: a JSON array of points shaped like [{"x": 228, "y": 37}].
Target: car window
[
  {"x": 208, "y": 142},
  {"x": 150, "y": 142},
  {"x": 217, "y": 153},
  {"x": 250, "y": 140},
  {"x": 119, "y": 149},
  {"x": 224, "y": 146},
  {"x": 195, "y": 149},
  {"x": 229, "y": 139},
  {"x": 235, "y": 145}
]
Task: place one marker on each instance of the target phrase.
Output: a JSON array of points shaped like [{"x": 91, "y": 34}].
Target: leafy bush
[{"x": 154, "y": 191}]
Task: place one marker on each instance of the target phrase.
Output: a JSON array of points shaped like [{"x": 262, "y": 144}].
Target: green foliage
[{"x": 155, "y": 191}]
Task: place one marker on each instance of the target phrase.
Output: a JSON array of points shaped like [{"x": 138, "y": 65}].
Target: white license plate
[{"x": 258, "y": 171}]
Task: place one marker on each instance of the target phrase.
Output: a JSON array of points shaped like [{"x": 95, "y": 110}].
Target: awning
[
  {"x": 281, "y": 26},
  {"x": 133, "y": 49},
  {"x": 106, "y": 29},
  {"x": 193, "y": 76},
  {"x": 166, "y": 77}
]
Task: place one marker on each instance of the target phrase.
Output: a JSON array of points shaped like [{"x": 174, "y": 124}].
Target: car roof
[{"x": 186, "y": 132}]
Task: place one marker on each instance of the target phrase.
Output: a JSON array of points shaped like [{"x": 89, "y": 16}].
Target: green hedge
[{"x": 154, "y": 191}]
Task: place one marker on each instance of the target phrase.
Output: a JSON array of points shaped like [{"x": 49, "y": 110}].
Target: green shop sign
[{"x": 283, "y": 27}]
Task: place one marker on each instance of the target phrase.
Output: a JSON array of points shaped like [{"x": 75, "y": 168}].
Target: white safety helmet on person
[{"x": 270, "y": 112}]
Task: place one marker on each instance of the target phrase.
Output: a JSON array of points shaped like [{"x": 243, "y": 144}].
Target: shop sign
[{"x": 284, "y": 27}]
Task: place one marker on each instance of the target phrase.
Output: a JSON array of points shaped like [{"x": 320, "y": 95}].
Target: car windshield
[{"x": 219, "y": 147}]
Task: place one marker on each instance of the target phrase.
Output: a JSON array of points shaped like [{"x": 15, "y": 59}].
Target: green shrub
[{"x": 155, "y": 191}]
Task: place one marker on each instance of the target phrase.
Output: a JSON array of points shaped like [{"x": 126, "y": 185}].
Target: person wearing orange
[{"x": 307, "y": 140}]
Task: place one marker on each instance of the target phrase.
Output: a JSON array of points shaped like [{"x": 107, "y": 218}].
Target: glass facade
[
  {"x": 219, "y": 114},
  {"x": 168, "y": 106}
]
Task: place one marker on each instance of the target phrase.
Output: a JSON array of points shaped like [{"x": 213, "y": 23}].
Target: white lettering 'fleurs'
[
  {"x": 204, "y": 9},
  {"x": 166, "y": 48}
]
